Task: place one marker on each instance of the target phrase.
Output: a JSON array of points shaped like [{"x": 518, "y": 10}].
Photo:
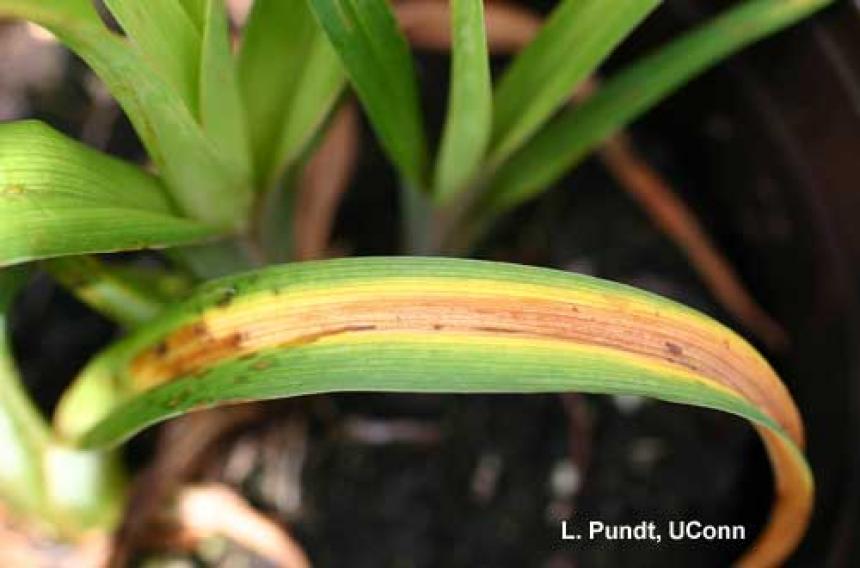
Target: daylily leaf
[
  {"x": 167, "y": 38},
  {"x": 576, "y": 38},
  {"x": 126, "y": 295},
  {"x": 568, "y": 139},
  {"x": 470, "y": 103},
  {"x": 58, "y": 197},
  {"x": 206, "y": 184},
  {"x": 221, "y": 111},
  {"x": 23, "y": 431},
  {"x": 377, "y": 60},
  {"x": 290, "y": 77},
  {"x": 438, "y": 325}
]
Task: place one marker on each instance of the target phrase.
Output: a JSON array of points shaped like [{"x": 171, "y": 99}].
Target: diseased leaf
[
  {"x": 444, "y": 326},
  {"x": 632, "y": 92},
  {"x": 576, "y": 38},
  {"x": 470, "y": 102},
  {"x": 204, "y": 182},
  {"x": 290, "y": 78},
  {"x": 377, "y": 60},
  {"x": 58, "y": 197}
]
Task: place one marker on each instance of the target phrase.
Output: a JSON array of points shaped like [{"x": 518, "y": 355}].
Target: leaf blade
[
  {"x": 624, "y": 97},
  {"x": 469, "y": 122},
  {"x": 221, "y": 112},
  {"x": 376, "y": 57},
  {"x": 286, "y": 97},
  {"x": 127, "y": 296},
  {"x": 576, "y": 38},
  {"x": 24, "y": 433},
  {"x": 204, "y": 183},
  {"x": 167, "y": 38},
  {"x": 58, "y": 197},
  {"x": 439, "y": 325}
]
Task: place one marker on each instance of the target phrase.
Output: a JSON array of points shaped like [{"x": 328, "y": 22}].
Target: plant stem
[
  {"x": 419, "y": 223},
  {"x": 65, "y": 491}
]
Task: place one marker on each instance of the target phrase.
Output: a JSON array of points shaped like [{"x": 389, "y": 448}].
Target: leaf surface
[
  {"x": 58, "y": 197},
  {"x": 167, "y": 39},
  {"x": 23, "y": 431},
  {"x": 565, "y": 141},
  {"x": 444, "y": 326},
  {"x": 125, "y": 294},
  {"x": 376, "y": 57},
  {"x": 577, "y": 37},
  {"x": 221, "y": 111},
  {"x": 470, "y": 103},
  {"x": 205, "y": 183},
  {"x": 290, "y": 78}
]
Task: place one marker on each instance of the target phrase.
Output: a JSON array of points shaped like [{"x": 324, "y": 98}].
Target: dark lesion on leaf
[{"x": 674, "y": 349}]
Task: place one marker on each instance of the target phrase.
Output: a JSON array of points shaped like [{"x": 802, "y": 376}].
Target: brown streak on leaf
[{"x": 614, "y": 325}]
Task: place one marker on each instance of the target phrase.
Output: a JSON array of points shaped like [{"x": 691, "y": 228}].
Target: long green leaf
[
  {"x": 58, "y": 197},
  {"x": 205, "y": 182},
  {"x": 44, "y": 482},
  {"x": 126, "y": 295},
  {"x": 290, "y": 78},
  {"x": 469, "y": 122},
  {"x": 221, "y": 111},
  {"x": 438, "y": 325},
  {"x": 577, "y": 37},
  {"x": 376, "y": 57},
  {"x": 569, "y": 138},
  {"x": 167, "y": 38},
  {"x": 196, "y": 10}
]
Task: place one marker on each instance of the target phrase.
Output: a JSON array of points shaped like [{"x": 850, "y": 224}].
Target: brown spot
[
  {"x": 314, "y": 337},
  {"x": 262, "y": 364},
  {"x": 674, "y": 349},
  {"x": 493, "y": 329},
  {"x": 188, "y": 351}
]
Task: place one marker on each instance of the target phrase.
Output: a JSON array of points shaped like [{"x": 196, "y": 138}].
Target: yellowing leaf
[{"x": 443, "y": 326}]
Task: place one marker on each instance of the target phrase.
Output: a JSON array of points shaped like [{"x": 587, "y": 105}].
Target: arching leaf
[{"x": 443, "y": 326}]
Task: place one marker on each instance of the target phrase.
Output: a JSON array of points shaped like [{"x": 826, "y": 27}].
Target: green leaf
[
  {"x": 63, "y": 491},
  {"x": 290, "y": 78},
  {"x": 444, "y": 326},
  {"x": 221, "y": 111},
  {"x": 196, "y": 10},
  {"x": 23, "y": 432},
  {"x": 568, "y": 139},
  {"x": 167, "y": 39},
  {"x": 469, "y": 122},
  {"x": 58, "y": 197},
  {"x": 204, "y": 182},
  {"x": 377, "y": 60},
  {"x": 576, "y": 38},
  {"x": 126, "y": 295}
]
